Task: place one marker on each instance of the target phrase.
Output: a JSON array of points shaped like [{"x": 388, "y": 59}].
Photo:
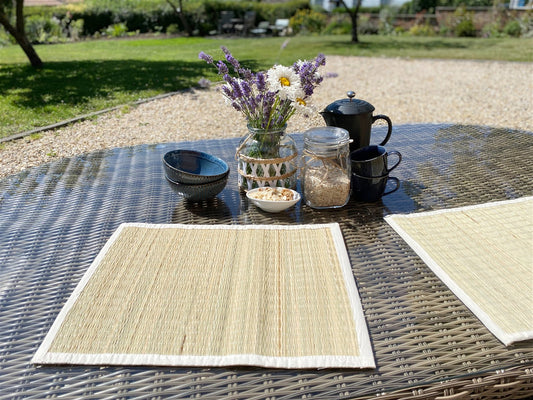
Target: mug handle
[
  {"x": 389, "y": 123},
  {"x": 397, "y": 154},
  {"x": 397, "y": 185}
]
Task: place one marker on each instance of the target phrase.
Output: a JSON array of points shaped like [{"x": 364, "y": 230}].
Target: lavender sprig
[{"x": 250, "y": 93}]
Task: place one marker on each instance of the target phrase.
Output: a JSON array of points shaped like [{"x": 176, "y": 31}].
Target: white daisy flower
[
  {"x": 302, "y": 104},
  {"x": 283, "y": 80}
]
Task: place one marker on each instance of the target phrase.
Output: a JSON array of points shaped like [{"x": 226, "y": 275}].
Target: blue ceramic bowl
[
  {"x": 194, "y": 167},
  {"x": 199, "y": 192}
]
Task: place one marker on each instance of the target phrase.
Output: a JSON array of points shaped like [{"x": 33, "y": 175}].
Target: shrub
[
  {"x": 308, "y": 21},
  {"x": 365, "y": 26},
  {"x": 271, "y": 11},
  {"x": 117, "y": 30},
  {"x": 40, "y": 29},
  {"x": 146, "y": 15},
  {"x": 527, "y": 23},
  {"x": 75, "y": 29},
  {"x": 422, "y": 30},
  {"x": 445, "y": 30},
  {"x": 465, "y": 28},
  {"x": 339, "y": 25},
  {"x": 464, "y": 23},
  {"x": 399, "y": 30},
  {"x": 387, "y": 16},
  {"x": 513, "y": 28},
  {"x": 491, "y": 30},
  {"x": 173, "y": 29}
]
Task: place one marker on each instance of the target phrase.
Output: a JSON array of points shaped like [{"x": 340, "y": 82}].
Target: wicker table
[{"x": 55, "y": 218}]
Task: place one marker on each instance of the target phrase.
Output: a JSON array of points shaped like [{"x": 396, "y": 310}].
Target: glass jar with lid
[{"x": 326, "y": 167}]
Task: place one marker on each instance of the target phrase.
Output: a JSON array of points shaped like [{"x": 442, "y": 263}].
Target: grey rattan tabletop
[{"x": 54, "y": 219}]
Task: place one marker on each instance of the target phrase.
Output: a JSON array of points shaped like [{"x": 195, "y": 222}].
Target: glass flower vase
[{"x": 267, "y": 157}]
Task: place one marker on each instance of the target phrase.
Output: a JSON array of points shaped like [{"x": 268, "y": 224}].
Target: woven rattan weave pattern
[{"x": 55, "y": 218}]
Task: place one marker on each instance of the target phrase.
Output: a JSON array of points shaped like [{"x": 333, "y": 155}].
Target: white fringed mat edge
[
  {"x": 365, "y": 359},
  {"x": 505, "y": 337}
]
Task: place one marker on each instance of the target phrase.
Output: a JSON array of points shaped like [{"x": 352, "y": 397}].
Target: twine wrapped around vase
[{"x": 266, "y": 158}]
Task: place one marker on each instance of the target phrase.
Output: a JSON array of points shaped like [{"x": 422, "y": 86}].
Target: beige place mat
[
  {"x": 272, "y": 296},
  {"x": 484, "y": 254}
]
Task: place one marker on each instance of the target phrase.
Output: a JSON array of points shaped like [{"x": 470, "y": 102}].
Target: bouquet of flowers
[{"x": 268, "y": 99}]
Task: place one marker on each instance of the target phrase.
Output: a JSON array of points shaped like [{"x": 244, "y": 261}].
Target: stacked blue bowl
[{"x": 195, "y": 175}]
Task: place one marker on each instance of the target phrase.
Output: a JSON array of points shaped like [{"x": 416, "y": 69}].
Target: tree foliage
[{"x": 416, "y": 6}]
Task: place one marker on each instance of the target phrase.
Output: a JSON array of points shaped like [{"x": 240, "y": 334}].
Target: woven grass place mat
[
  {"x": 484, "y": 254},
  {"x": 190, "y": 295}
]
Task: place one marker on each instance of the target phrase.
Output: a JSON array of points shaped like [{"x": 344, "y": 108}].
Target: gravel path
[{"x": 498, "y": 94}]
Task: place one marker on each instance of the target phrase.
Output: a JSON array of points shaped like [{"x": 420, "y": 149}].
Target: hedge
[{"x": 203, "y": 16}]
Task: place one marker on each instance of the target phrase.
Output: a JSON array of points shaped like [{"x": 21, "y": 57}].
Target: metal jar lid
[
  {"x": 326, "y": 138},
  {"x": 350, "y": 106}
]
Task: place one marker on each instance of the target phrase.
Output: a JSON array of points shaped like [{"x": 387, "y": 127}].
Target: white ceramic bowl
[{"x": 273, "y": 206}]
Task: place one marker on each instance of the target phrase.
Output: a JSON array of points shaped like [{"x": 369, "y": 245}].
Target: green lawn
[{"x": 79, "y": 78}]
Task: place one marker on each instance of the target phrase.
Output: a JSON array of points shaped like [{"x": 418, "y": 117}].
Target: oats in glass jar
[{"x": 326, "y": 187}]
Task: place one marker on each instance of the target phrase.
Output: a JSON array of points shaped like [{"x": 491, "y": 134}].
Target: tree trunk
[
  {"x": 355, "y": 38},
  {"x": 353, "y": 13},
  {"x": 20, "y": 35},
  {"x": 179, "y": 10}
]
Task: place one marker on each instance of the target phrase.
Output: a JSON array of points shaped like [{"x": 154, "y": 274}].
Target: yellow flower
[
  {"x": 301, "y": 104},
  {"x": 284, "y": 81}
]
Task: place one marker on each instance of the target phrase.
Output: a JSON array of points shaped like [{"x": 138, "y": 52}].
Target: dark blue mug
[
  {"x": 373, "y": 161},
  {"x": 371, "y": 189}
]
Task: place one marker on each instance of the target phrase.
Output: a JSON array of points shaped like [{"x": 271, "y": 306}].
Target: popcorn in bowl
[
  {"x": 273, "y": 194},
  {"x": 273, "y": 199}
]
